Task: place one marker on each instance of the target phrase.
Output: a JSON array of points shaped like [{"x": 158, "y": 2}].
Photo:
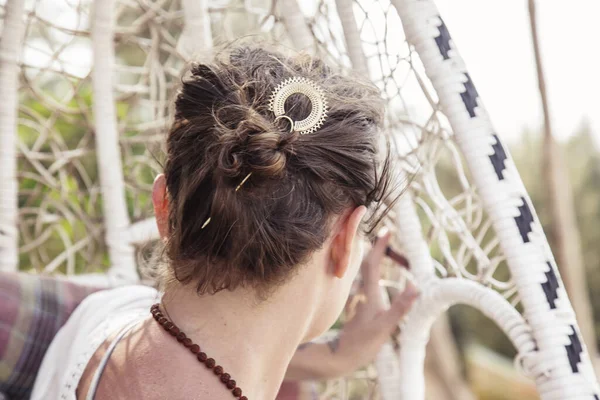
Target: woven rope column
[
  {"x": 110, "y": 166},
  {"x": 547, "y": 308},
  {"x": 11, "y": 44}
]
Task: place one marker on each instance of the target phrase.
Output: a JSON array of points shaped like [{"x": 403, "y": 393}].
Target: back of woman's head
[{"x": 220, "y": 237}]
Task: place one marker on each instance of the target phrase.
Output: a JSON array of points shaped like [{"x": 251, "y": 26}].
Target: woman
[
  {"x": 271, "y": 170},
  {"x": 34, "y": 307}
]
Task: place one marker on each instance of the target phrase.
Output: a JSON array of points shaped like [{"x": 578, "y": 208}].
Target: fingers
[
  {"x": 401, "y": 305},
  {"x": 371, "y": 266}
]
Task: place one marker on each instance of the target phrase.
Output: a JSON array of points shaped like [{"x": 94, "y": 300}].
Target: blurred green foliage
[{"x": 57, "y": 177}]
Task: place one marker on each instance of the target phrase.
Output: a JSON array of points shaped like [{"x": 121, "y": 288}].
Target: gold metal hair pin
[
  {"x": 315, "y": 94},
  {"x": 243, "y": 181},
  {"x": 236, "y": 189},
  {"x": 310, "y": 124}
]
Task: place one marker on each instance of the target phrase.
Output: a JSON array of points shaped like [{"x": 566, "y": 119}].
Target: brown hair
[{"x": 223, "y": 130}]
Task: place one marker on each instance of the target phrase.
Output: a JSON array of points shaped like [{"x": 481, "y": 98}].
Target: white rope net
[{"x": 448, "y": 227}]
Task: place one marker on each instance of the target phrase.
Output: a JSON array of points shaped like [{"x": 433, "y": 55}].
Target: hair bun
[
  {"x": 253, "y": 146},
  {"x": 224, "y": 131}
]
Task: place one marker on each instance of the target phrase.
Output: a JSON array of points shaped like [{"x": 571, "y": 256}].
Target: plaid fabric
[{"x": 32, "y": 310}]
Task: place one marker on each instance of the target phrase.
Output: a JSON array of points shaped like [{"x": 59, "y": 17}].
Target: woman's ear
[
  {"x": 342, "y": 244},
  {"x": 160, "y": 200}
]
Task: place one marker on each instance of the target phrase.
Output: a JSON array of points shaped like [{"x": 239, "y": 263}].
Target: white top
[{"x": 99, "y": 316}]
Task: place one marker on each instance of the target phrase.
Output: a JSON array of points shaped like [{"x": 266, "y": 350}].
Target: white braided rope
[
  {"x": 390, "y": 374},
  {"x": 295, "y": 24},
  {"x": 437, "y": 296},
  {"x": 116, "y": 217},
  {"x": 196, "y": 36},
  {"x": 352, "y": 37},
  {"x": 545, "y": 302},
  {"x": 10, "y": 45},
  {"x": 143, "y": 231}
]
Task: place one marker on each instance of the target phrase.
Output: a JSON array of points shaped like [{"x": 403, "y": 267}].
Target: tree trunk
[
  {"x": 110, "y": 168},
  {"x": 564, "y": 234},
  {"x": 11, "y": 43}
]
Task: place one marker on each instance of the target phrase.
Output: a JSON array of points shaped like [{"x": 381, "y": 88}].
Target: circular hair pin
[
  {"x": 291, "y": 121},
  {"x": 317, "y": 99}
]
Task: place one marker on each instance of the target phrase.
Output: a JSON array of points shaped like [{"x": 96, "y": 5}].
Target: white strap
[{"x": 98, "y": 374}]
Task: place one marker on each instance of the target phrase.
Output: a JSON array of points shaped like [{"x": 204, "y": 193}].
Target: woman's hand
[{"x": 363, "y": 335}]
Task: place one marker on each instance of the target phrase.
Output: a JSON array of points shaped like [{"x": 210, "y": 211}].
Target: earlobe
[
  {"x": 160, "y": 200},
  {"x": 343, "y": 246}
]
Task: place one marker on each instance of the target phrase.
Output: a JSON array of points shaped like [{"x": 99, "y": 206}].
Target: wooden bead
[{"x": 194, "y": 348}]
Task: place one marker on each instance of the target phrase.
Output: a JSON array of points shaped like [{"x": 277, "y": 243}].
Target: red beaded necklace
[{"x": 210, "y": 363}]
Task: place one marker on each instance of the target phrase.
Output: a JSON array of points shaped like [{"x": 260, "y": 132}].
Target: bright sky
[{"x": 494, "y": 39}]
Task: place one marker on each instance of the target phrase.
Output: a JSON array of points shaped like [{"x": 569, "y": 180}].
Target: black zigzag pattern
[
  {"x": 574, "y": 350},
  {"x": 469, "y": 96},
  {"x": 524, "y": 220},
  {"x": 550, "y": 287},
  {"x": 498, "y": 158},
  {"x": 443, "y": 40}
]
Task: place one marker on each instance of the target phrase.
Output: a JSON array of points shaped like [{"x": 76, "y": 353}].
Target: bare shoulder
[{"x": 148, "y": 364}]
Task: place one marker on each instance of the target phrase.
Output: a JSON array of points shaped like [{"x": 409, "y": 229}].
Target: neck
[{"x": 253, "y": 341}]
